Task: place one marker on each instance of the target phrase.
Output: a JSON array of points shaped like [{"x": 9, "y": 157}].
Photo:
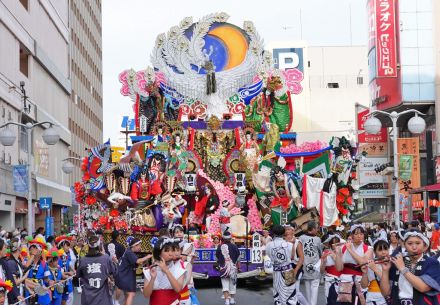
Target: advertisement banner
[
  {"x": 383, "y": 54},
  {"x": 372, "y": 184},
  {"x": 20, "y": 176},
  {"x": 386, "y": 45},
  {"x": 410, "y": 146},
  {"x": 363, "y": 137},
  {"x": 405, "y": 167},
  {"x": 374, "y": 149}
]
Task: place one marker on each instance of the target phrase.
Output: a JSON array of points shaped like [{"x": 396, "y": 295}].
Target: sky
[{"x": 130, "y": 28}]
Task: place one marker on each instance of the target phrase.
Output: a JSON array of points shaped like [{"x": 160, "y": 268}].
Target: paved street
[{"x": 249, "y": 293}]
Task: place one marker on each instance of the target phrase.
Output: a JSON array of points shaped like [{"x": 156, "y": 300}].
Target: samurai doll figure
[{"x": 286, "y": 199}]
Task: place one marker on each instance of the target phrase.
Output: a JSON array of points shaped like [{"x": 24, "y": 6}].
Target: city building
[
  {"x": 85, "y": 107},
  {"x": 334, "y": 80},
  {"x": 35, "y": 86},
  {"x": 403, "y": 74}
]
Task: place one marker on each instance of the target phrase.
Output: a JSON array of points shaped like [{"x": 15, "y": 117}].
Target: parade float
[{"x": 214, "y": 149}]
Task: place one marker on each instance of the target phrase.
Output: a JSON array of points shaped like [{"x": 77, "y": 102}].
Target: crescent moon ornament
[{"x": 235, "y": 42}]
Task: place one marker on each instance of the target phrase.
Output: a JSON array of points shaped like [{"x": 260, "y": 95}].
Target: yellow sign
[{"x": 117, "y": 153}]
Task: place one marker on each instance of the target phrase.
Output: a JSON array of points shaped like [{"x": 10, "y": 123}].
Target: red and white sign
[
  {"x": 364, "y": 137},
  {"x": 383, "y": 53},
  {"x": 386, "y": 46}
]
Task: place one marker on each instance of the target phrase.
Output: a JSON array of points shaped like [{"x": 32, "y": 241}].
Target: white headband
[
  {"x": 356, "y": 226},
  {"x": 416, "y": 234},
  {"x": 379, "y": 239},
  {"x": 168, "y": 240},
  {"x": 330, "y": 237}
]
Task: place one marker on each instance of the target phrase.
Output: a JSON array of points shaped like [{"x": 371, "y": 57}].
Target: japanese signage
[
  {"x": 257, "y": 249},
  {"x": 405, "y": 167},
  {"x": 386, "y": 47},
  {"x": 208, "y": 255},
  {"x": 374, "y": 149},
  {"x": 383, "y": 54},
  {"x": 409, "y": 146},
  {"x": 364, "y": 137},
  {"x": 372, "y": 184},
  {"x": 117, "y": 153}
]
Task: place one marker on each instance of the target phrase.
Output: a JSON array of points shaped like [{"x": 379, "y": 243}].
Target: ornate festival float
[{"x": 213, "y": 148}]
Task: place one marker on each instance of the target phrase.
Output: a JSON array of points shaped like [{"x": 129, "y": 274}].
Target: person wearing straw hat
[
  {"x": 63, "y": 242},
  {"x": 5, "y": 288},
  {"x": 94, "y": 271},
  {"x": 38, "y": 266},
  {"x": 53, "y": 277}
]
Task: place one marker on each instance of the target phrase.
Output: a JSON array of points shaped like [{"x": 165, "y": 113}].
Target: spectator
[{"x": 435, "y": 239}]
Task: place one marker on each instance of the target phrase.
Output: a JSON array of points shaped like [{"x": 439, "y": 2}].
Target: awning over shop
[
  {"x": 426, "y": 188},
  {"x": 61, "y": 194}
]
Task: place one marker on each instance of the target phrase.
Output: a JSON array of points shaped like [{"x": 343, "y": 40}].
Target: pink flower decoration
[
  {"x": 125, "y": 90},
  {"x": 160, "y": 77},
  {"x": 256, "y": 79},
  {"x": 142, "y": 82},
  {"x": 304, "y": 147},
  {"x": 293, "y": 80}
]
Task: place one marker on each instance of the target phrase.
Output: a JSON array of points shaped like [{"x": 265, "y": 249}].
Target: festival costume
[
  {"x": 227, "y": 257},
  {"x": 402, "y": 292},
  {"x": 374, "y": 296},
  {"x": 351, "y": 273},
  {"x": 65, "y": 263},
  {"x": 14, "y": 266},
  {"x": 37, "y": 275},
  {"x": 55, "y": 274},
  {"x": 163, "y": 293},
  {"x": 280, "y": 252},
  {"x": 312, "y": 252},
  {"x": 94, "y": 272},
  {"x": 331, "y": 277},
  {"x": 126, "y": 275}
]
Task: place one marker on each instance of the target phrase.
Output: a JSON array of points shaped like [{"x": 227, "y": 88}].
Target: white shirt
[
  {"x": 405, "y": 287},
  {"x": 348, "y": 259},
  {"x": 161, "y": 281},
  {"x": 279, "y": 251}
]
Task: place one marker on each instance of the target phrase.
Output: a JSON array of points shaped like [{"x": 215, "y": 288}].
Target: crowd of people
[
  {"x": 35, "y": 270},
  {"x": 358, "y": 265}
]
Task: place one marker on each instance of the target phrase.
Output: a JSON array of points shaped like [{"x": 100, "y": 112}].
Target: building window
[
  {"x": 333, "y": 85},
  {"x": 8, "y": 202},
  {"x": 360, "y": 80},
  {"x": 25, "y": 4},
  {"x": 24, "y": 61}
]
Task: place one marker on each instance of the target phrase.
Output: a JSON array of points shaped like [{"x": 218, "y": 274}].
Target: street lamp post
[
  {"x": 416, "y": 125},
  {"x": 67, "y": 168},
  {"x": 7, "y": 138}
]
